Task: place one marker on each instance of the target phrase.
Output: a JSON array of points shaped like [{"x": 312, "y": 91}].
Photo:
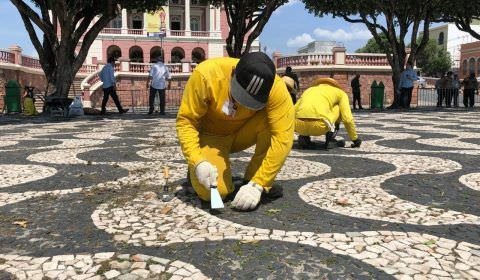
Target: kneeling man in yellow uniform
[
  {"x": 319, "y": 112},
  {"x": 228, "y": 106}
]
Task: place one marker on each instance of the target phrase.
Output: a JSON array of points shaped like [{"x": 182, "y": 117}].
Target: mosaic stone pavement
[{"x": 81, "y": 199}]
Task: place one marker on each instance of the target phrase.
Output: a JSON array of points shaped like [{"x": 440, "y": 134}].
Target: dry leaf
[
  {"x": 342, "y": 201},
  {"x": 273, "y": 211},
  {"x": 165, "y": 210},
  {"x": 21, "y": 223},
  {"x": 249, "y": 241}
]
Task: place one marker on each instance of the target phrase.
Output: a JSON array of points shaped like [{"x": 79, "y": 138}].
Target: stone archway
[
  {"x": 135, "y": 54},
  {"x": 177, "y": 55},
  {"x": 114, "y": 51},
  {"x": 156, "y": 52},
  {"x": 198, "y": 55}
]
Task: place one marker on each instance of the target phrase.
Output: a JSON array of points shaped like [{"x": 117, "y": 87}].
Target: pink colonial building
[
  {"x": 469, "y": 59},
  {"x": 184, "y": 31}
]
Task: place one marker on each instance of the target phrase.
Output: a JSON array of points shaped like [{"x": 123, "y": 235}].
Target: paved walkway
[{"x": 81, "y": 199}]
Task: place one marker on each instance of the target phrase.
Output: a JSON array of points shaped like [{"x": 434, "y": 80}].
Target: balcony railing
[
  {"x": 135, "y": 31},
  {"x": 31, "y": 62},
  {"x": 305, "y": 60},
  {"x": 360, "y": 59},
  {"x": 173, "y": 67},
  {"x": 111, "y": 31},
  {"x": 88, "y": 68},
  {"x": 200, "y": 33},
  {"x": 7, "y": 57},
  {"x": 177, "y": 32},
  {"x": 366, "y": 59}
]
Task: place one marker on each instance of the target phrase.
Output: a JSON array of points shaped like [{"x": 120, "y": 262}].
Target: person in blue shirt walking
[
  {"x": 107, "y": 76},
  {"x": 407, "y": 78},
  {"x": 159, "y": 75}
]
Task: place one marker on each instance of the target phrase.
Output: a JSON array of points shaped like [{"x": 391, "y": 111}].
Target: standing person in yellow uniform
[
  {"x": 228, "y": 106},
  {"x": 319, "y": 112}
]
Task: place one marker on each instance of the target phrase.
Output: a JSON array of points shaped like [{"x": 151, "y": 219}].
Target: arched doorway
[
  {"x": 177, "y": 55},
  {"x": 156, "y": 52},
  {"x": 135, "y": 54},
  {"x": 114, "y": 51},
  {"x": 198, "y": 55}
]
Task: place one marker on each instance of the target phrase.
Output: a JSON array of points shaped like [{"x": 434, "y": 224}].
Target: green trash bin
[
  {"x": 12, "y": 97},
  {"x": 377, "y": 95}
]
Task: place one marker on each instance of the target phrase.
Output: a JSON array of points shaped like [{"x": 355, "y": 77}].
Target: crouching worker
[
  {"x": 228, "y": 106},
  {"x": 319, "y": 112}
]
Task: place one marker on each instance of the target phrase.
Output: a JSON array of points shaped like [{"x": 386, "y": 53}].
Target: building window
[
  {"x": 195, "y": 2},
  {"x": 114, "y": 51},
  {"x": 478, "y": 66},
  {"x": 198, "y": 55},
  {"x": 177, "y": 55},
  {"x": 464, "y": 68},
  {"x": 116, "y": 22},
  {"x": 175, "y": 23},
  {"x": 137, "y": 22},
  {"x": 136, "y": 54},
  {"x": 195, "y": 23},
  {"x": 471, "y": 65},
  {"x": 441, "y": 38}
]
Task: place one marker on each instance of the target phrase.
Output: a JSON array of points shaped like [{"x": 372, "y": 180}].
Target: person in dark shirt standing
[
  {"x": 355, "y": 84},
  {"x": 107, "y": 76}
]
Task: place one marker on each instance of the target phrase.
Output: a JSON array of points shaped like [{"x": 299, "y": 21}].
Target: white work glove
[
  {"x": 206, "y": 174},
  {"x": 248, "y": 196}
]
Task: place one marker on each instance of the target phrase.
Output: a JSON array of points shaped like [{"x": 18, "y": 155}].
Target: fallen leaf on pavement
[
  {"x": 166, "y": 210},
  {"x": 21, "y": 223},
  {"x": 342, "y": 201},
  {"x": 249, "y": 241},
  {"x": 273, "y": 211}
]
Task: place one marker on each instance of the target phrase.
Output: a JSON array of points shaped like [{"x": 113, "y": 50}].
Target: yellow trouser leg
[
  {"x": 216, "y": 150},
  {"x": 317, "y": 127},
  {"x": 254, "y": 132}
]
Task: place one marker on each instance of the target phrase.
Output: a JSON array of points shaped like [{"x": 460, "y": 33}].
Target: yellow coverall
[
  {"x": 322, "y": 106},
  {"x": 206, "y": 133}
]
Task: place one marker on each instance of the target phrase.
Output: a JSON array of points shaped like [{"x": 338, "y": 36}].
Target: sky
[
  {"x": 289, "y": 28},
  {"x": 292, "y": 27}
]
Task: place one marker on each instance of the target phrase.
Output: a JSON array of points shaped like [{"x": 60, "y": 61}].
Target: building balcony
[{"x": 170, "y": 33}]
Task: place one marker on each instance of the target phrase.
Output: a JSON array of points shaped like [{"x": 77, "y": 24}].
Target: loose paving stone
[{"x": 81, "y": 199}]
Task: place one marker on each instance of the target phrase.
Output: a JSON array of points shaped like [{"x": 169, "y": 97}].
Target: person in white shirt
[{"x": 158, "y": 76}]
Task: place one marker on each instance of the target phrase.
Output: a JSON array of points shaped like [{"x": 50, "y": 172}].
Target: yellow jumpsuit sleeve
[
  {"x": 346, "y": 115},
  {"x": 194, "y": 105},
  {"x": 281, "y": 119}
]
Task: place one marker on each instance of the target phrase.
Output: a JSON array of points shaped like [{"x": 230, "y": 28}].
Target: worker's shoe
[
  {"x": 330, "y": 141},
  {"x": 305, "y": 142},
  {"x": 356, "y": 143}
]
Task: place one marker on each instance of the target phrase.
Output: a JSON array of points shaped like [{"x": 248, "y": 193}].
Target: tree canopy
[
  {"x": 372, "y": 46},
  {"x": 66, "y": 25},
  {"x": 434, "y": 59},
  {"x": 394, "y": 19},
  {"x": 464, "y": 13},
  {"x": 246, "y": 19}
]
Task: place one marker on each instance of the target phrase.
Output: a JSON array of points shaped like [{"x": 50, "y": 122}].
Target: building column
[
  {"x": 167, "y": 20},
  {"x": 17, "y": 52},
  {"x": 188, "y": 32},
  {"x": 211, "y": 22},
  {"x": 144, "y": 24},
  {"x": 124, "y": 21},
  {"x": 218, "y": 23},
  {"x": 339, "y": 55}
]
